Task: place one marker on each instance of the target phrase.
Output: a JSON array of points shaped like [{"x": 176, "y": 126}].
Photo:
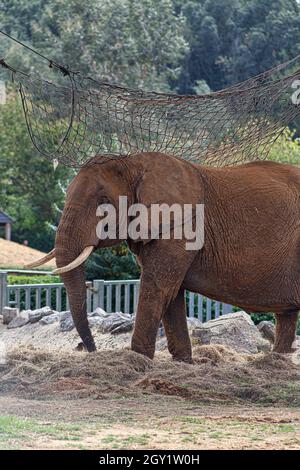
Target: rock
[
  {"x": 193, "y": 323},
  {"x": 66, "y": 321},
  {"x": 295, "y": 356},
  {"x": 267, "y": 330},
  {"x": 235, "y": 330},
  {"x": 49, "y": 319},
  {"x": 114, "y": 323},
  {"x": 20, "y": 320},
  {"x": 95, "y": 321},
  {"x": 8, "y": 314},
  {"x": 124, "y": 327},
  {"x": 99, "y": 312},
  {"x": 161, "y": 344},
  {"x": 36, "y": 315}
]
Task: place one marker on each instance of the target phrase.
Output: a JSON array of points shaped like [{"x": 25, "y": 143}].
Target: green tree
[
  {"x": 29, "y": 186},
  {"x": 135, "y": 42},
  {"x": 286, "y": 149},
  {"x": 232, "y": 40},
  {"x": 113, "y": 263}
]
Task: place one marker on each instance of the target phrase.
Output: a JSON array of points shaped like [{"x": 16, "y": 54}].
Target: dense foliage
[
  {"x": 29, "y": 187},
  {"x": 36, "y": 279},
  {"x": 185, "y": 46}
]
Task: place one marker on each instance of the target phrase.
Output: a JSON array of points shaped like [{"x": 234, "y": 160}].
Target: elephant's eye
[{"x": 104, "y": 200}]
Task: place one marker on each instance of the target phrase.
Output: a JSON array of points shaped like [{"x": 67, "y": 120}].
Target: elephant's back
[
  {"x": 261, "y": 179},
  {"x": 256, "y": 172}
]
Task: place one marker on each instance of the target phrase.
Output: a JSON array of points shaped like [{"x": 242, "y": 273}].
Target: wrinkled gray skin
[{"x": 250, "y": 257}]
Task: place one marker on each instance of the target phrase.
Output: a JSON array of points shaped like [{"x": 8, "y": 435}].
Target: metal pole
[{"x": 3, "y": 290}]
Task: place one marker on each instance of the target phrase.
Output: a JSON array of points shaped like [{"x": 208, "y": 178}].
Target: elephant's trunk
[{"x": 69, "y": 244}]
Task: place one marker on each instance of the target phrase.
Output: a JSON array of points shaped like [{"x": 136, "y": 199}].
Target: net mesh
[{"x": 74, "y": 121}]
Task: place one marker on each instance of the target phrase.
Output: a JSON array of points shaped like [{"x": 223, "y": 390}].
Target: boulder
[
  {"x": 99, "y": 312},
  {"x": 20, "y": 320},
  {"x": 49, "y": 319},
  {"x": 193, "y": 323},
  {"x": 114, "y": 323},
  {"x": 267, "y": 330},
  {"x": 123, "y": 327},
  {"x": 295, "y": 356},
  {"x": 161, "y": 344},
  {"x": 235, "y": 330},
  {"x": 66, "y": 321},
  {"x": 8, "y": 314},
  {"x": 36, "y": 315},
  {"x": 95, "y": 321}
]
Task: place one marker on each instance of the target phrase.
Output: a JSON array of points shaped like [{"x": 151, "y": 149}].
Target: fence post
[
  {"x": 3, "y": 290},
  {"x": 98, "y": 293},
  {"x": 89, "y": 286},
  {"x": 226, "y": 308}
]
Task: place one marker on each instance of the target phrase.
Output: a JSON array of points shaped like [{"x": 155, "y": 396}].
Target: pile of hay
[{"x": 218, "y": 375}]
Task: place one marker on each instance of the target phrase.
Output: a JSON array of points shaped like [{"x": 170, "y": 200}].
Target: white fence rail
[{"x": 112, "y": 296}]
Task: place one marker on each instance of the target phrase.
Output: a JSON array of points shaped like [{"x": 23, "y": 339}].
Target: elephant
[{"x": 250, "y": 257}]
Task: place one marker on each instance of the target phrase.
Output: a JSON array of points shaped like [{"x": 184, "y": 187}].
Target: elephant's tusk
[
  {"x": 41, "y": 261},
  {"x": 77, "y": 262}
]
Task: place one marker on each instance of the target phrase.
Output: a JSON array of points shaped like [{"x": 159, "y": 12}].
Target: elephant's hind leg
[
  {"x": 285, "y": 335},
  {"x": 175, "y": 324}
]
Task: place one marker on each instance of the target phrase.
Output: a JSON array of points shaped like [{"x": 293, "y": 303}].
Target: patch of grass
[
  {"x": 15, "y": 431},
  {"x": 191, "y": 420},
  {"x": 117, "y": 442},
  {"x": 216, "y": 435},
  {"x": 255, "y": 438},
  {"x": 287, "y": 428},
  {"x": 219, "y": 430},
  {"x": 189, "y": 439},
  {"x": 110, "y": 438}
]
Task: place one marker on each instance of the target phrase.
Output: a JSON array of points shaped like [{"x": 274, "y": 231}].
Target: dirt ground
[{"x": 54, "y": 398}]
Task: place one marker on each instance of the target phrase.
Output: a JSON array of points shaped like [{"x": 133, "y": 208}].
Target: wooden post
[{"x": 8, "y": 231}]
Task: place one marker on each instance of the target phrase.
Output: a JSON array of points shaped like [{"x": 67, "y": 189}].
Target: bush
[
  {"x": 37, "y": 279},
  {"x": 42, "y": 279},
  {"x": 115, "y": 263},
  {"x": 258, "y": 317},
  {"x": 286, "y": 149}
]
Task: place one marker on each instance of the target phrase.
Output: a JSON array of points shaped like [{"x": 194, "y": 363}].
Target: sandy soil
[{"x": 149, "y": 423}]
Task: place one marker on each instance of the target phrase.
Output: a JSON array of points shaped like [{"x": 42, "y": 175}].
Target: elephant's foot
[
  {"x": 283, "y": 348},
  {"x": 140, "y": 348},
  {"x": 83, "y": 347},
  {"x": 187, "y": 359},
  {"x": 144, "y": 352}
]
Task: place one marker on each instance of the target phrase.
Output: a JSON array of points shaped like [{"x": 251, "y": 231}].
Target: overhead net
[{"x": 74, "y": 121}]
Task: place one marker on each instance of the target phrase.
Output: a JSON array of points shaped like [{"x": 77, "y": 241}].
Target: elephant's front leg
[
  {"x": 175, "y": 324},
  {"x": 154, "y": 299},
  {"x": 164, "y": 266}
]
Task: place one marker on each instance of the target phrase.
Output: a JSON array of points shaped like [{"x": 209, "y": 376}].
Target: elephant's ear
[{"x": 170, "y": 187}]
